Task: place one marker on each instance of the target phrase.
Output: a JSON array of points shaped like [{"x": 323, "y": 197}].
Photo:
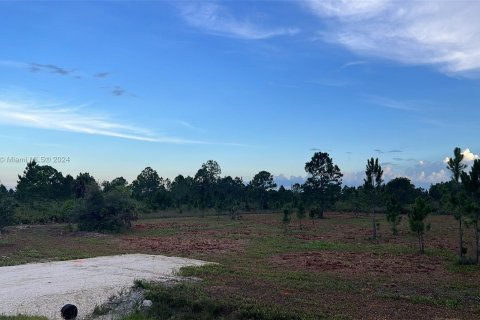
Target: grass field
[{"x": 326, "y": 269}]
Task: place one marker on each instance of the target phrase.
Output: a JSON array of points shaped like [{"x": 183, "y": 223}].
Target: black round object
[{"x": 69, "y": 311}]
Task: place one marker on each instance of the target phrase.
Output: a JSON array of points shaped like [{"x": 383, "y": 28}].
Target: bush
[
  {"x": 7, "y": 211},
  {"x": 315, "y": 213},
  {"x": 106, "y": 211},
  {"x": 44, "y": 211}
]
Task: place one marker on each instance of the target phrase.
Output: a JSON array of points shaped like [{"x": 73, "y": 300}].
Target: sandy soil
[{"x": 43, "y": 288}]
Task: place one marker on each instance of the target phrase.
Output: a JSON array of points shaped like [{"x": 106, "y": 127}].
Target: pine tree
[
  {"x": 324, "y": 182},
  {"x": 372, "y": 184},
  {"x": 286, "y": 217},
  {"x": 471, "y": 182},
  {"x": 456, "y": 166}
]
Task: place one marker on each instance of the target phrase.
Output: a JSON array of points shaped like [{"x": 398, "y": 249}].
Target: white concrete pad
[{"x": 43, "y": 288}]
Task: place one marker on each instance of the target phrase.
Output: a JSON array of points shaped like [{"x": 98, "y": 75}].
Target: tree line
[{"x": 43, "y": 194}]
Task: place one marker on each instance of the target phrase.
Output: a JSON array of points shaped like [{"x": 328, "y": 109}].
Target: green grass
[
  {"x": 463, "y": 268},
  {"x": 421, "y": 299},
  {"x": 52, "y": 243},
  {"x": 101, "y": 310},
  {"x": 5, "y": 242},
  {"x": 186, "y": 301},
  {"x": 137, "y": 316},
  {"x": 304, "y": 281},
  {"x": 284, "y": 245}
]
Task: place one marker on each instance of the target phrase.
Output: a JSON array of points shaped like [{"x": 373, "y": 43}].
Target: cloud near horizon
[
  {"x": 287, "y": 182},
  {"x": 421, "y": 173},
  {"x": 468, "y": 157},
  {"x": 443, "y": 34},
  {"x": 215, "y": 19}
]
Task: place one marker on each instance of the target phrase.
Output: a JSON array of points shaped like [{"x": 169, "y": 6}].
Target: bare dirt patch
[
  {"x": 191, "y": 245},
  {"x": 360, "y": 264},
  {"x": 169, "y": 225},
  {"x": 189, "y": 239}
]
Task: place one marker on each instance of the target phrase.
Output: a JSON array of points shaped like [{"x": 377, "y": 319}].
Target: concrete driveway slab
[{"x": 43, "y": 288}]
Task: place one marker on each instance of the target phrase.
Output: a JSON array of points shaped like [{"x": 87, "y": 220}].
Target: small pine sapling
[
  {"x": 301, "y": 213},
  {"x": 286, "y": 217},
  {"x": 311, "y": 215},
  {"x": 416, "y": 218},
  {"x": 394, "y": 211}
]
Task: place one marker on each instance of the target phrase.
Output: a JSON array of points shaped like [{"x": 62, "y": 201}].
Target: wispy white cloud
[
  {"x": 218, "y": 20},
  {"x": 74, "y": 119},
  {"x": 346, "y": 8},
  {"x": 188, "y": 125},
  {"x": 405, "y": 105},
  {"x": 445, "y": 34},
  {"x": 353, "y": 63}
]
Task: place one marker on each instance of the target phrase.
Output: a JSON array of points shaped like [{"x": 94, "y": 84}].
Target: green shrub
[
  {"x": 44, "y": 211},
  {"x": 105, "y": 211},
  {"x": 7, "y": 211}
]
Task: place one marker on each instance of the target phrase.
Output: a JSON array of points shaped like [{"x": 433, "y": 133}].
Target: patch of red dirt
[
  {"x": 190, "y": 239},
  {"x": 359, "y": 264},
  {"x": 169, "y": 225},
  {"x": 186, "y": 245}
]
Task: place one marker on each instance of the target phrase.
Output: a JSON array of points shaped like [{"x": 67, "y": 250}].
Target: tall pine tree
[
  {"x": 373, "y": 184},
  {"x": 456, "y": 166}
]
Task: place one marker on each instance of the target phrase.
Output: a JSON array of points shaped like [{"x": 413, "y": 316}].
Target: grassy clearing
[
  {"x": 186, "y": 301},
  {"x": 328, "y": 269},
  {"x": 42, "y": 243}
]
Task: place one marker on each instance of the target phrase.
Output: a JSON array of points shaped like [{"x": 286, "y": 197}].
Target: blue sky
[{"x": 255, "y": 85}]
